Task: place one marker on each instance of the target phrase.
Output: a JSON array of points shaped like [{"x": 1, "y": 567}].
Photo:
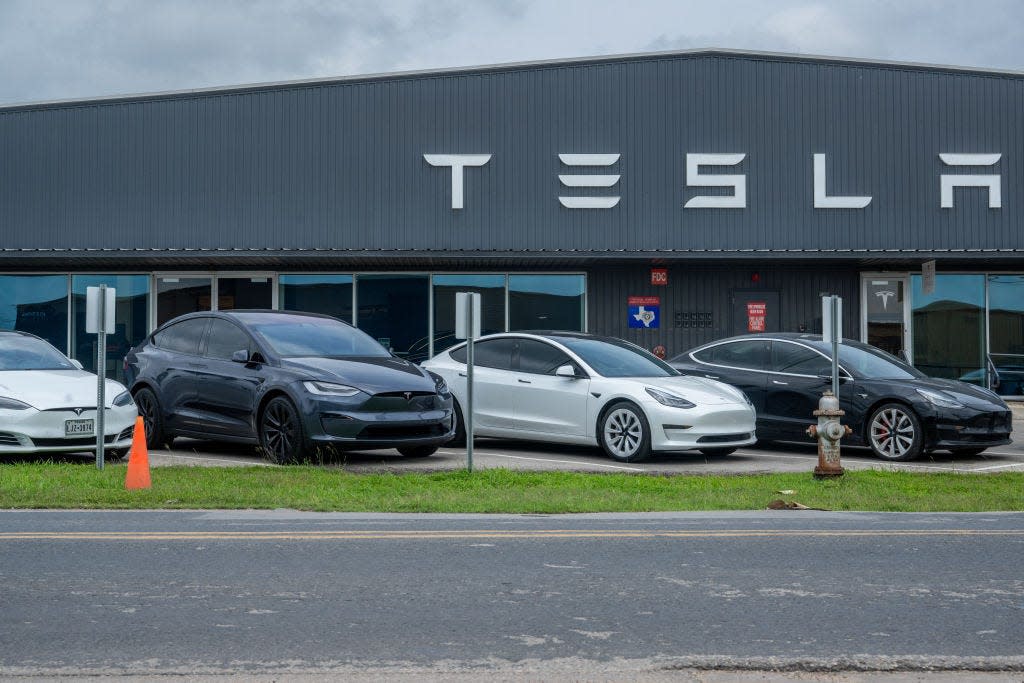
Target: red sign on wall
[
  {"x": 644, "y": 300},
  {"x": 659, "y": 276},
  {"x": 757, "y": 311}
]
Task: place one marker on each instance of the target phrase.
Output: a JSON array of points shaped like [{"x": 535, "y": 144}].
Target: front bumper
[
  {"x": 381, "y": 424},
  {"x": 722, "y": 426},
  {"x": 968, "y": 428},
  {"x": 42, "y": 431}
]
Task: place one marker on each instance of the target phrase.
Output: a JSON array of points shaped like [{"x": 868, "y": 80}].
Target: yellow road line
[{"x": 474, "y": 534}]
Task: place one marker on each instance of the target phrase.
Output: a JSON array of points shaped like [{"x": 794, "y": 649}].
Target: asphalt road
[{"x": 638, "y": 596}]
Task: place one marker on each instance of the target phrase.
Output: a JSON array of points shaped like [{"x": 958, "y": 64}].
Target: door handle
[
  {"x": 197, "y": 365},
  {"x": 775, "y": 381},
  {"x": 462, "y": 374},
  {"x": 525, "y": 381},
  {"x": 713, "y": 376}
]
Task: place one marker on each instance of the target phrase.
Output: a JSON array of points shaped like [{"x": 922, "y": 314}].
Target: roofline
[{"x": 512, "y": 66}]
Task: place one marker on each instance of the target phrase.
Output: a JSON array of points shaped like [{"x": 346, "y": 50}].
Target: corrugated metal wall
[
  {"x": 340, "y": 165},
  {"x": 710, "y": 290}
]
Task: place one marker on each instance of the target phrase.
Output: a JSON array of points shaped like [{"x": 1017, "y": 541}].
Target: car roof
[{"x": 251, "y": 314}]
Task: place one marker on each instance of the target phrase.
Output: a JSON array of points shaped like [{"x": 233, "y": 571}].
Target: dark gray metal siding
[
  {"x": 340, "y": 167},
  {"x": 706, "y": 288}
]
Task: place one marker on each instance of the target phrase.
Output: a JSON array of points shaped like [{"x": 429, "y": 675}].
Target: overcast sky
[{"x": 62, "y": 49}]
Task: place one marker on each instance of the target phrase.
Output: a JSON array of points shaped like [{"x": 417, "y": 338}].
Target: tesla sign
[{"x": 597, "y": 172}]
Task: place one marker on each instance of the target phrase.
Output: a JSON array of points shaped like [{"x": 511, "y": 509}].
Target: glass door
[
  {"x": 250, "y": 290},
  {"x": 884, "y": 324},
  {"x": 1006, "y": 334}
]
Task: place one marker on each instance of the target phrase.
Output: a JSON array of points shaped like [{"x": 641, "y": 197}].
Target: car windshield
[
  {"x": 292, "y": 338},
  {"x": 615, "y": 358},
  {"x": 871, "y": 363},
  {"x": 28, "y": 353}
]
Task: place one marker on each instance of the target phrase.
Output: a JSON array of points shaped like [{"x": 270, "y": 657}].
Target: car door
[
  {"x": 740, "y": 363},
  {"x": 797, "y": 376},
  {"x": 492, "y": 376},
  {"x": 175, "y": 373},
  {"x": 226, "y": 390},
  {"x": 545, "y": 403}
]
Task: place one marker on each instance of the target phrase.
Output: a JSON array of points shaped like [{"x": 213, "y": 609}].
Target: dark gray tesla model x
[{"x": 289, "y": 382}]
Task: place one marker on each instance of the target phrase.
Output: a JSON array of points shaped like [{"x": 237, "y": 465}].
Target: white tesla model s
[
  {"x": 567, "y": 387},
  {"x": 48, "y": 402}
]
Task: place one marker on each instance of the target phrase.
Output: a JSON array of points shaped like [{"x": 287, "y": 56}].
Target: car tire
[
  {"x": 968, "y": 452},
  {"x": 624, "y": 433},
  {"x": 152, "y": 419},
  {"x": 282, "y": 436},
  {"x": 459, "y": 440},
  {"x": 417, "y": 451},
  {"x": 114, "y": 455},
  {"x": 894, "y": 433},
  {"x": 717, "y": 451}
]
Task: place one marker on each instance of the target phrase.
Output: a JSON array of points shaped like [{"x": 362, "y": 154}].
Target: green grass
[{"x": 73, "y": 486}]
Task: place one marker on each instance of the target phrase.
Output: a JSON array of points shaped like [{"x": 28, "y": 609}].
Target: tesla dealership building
[{"x": 669, "y": 199}]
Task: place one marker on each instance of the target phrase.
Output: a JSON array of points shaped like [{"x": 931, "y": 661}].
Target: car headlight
[
  {"x": 670, "y": 400},
  {"x": 330, "y": 389},
  {"x": 940, "y": 399},
  {"x": 439, "y": 384},
  {"x": 13, "y": 404},
  {"x": 123, "y": 399}
]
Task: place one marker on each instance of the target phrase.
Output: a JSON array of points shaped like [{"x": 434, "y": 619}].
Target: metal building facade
[{"x": 331, "y": 175}]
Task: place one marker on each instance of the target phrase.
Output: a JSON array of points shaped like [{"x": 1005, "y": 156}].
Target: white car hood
[
  {"x": 697, "y": 390},
  {"x": 49, "y": 389}
]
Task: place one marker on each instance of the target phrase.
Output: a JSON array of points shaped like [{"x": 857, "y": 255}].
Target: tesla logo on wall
[{"x": 736, "y": 184}]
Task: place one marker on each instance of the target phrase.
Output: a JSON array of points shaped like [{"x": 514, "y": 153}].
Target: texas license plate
[{"x": 79, "y": 428}]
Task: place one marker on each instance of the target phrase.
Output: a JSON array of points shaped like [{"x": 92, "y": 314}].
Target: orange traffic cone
[{"x": 138, "y": 459}]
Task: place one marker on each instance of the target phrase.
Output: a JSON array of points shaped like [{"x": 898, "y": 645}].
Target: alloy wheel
[
  {"x": 893, "y": 433},
  {"x": 280, "y": 430},
  {"x": 623, "y": 433}
]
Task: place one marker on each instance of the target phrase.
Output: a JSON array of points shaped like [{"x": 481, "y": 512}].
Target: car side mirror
[
  {"x": 566, "y": 371},
  {"x": 76, "y": 363},
  {"x": 240, "y": 356}
]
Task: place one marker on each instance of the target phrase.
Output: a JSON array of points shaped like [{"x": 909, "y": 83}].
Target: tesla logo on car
[
  {"x": 408, "y": 396},
  {"x": 885, "y": 295},
  {"x": 78, "y": 411}
]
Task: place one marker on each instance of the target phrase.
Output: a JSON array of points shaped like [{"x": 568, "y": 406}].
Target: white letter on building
[
  {"x": 694, "y": 178},
  {"x": 992, "y": 182},
  {"x": 588, "y": 180},
  {"x": 821, "y": 198},
  {"x": 457, "y": 162}
]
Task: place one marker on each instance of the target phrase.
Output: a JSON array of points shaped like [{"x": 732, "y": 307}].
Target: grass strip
[{"x": 76, "y": 486}]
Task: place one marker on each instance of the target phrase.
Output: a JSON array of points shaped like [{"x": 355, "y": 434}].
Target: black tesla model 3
[
  {"x": 289, "y": 382},
  {"x": 892, "y": 407}
]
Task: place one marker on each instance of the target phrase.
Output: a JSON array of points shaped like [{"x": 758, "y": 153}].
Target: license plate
[{"x": 79, "y": 428}]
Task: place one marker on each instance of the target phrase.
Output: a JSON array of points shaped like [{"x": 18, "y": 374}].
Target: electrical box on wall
[{"x": 693, "y": 319}]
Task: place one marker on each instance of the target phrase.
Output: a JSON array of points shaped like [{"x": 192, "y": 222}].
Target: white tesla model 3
[
  {"x": 48, "y": 402},
  {"x": 568, "y": 387}
]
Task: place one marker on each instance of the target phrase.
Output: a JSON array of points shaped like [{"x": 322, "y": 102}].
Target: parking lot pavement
[{"x": 491, "y": 453}]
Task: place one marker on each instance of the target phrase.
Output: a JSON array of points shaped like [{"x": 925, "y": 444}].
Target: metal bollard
[{"x": 828, "y": 432}]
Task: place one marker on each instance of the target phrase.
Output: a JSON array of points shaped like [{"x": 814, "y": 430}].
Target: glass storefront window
[
  {"x": 130, "y": 320},
  {"x": 36, "y": 304},
  {"x": 949, "y": 327},
  {"x": 546, "y": 302},
  {"x": 1006, "y": 333},
  {"x": 393, "y": 310},
  {"x": 244, "y": 292},
  {"x": 883, "y": 302},
  {"x": 492, "y": 305},
  {"x": 180, "y": 295},
  {"x": 326, "y": 294}
]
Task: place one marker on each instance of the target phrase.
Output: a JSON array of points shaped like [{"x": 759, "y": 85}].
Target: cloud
[{"x": 61, "y": 49}]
